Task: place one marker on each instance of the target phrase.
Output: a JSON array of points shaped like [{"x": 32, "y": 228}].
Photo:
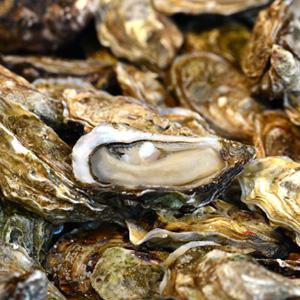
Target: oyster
[
  {"x": 28, "y": 25},
  {"x": 270, "y": 59},
  {"x": 224, "y": 7},
  {"x": 100, "y": 262},
  {"x": 275, "y": 135},
  {"x": 210, "y": 85},
  {"x": 222, "y": 223},
  {"x": 197, "y": 274},
  {"x": 292, "y": 106},
  {"x": 20, "y": 278},
  {"x": 272, "y": 185},
  {"x": 96, "y": 72},
  {"x": 35, "y": 170},
  {"x": 135, "y": 31},
  {"x": 127, "y": 151},
  {"x": 26, "y": 230},
  {"x": 144, "y": 85}
]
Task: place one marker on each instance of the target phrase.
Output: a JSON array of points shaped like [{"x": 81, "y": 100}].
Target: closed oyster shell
[
  {"x": 135, "y": 31},
  {"x": 222, "y": 223},
  {"x": 97, "y": 72},
  {"x": 20, "y": 278},
  {"x": 210, "y": 85},
  {"x": 223, "y": 7},
  {"x": 196, "y": 274},
  {"x": 275, "y": 135},
  {"x": 42, "y": 27},
  {"x": 133, "y": 143},
  {"x": 272, "y": 185}
]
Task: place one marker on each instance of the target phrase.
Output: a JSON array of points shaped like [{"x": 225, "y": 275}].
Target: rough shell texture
[
  {"x": 135, "y": 31},
  {"x": 44, "y": 27},
  {"x": 272, "y": 184}
]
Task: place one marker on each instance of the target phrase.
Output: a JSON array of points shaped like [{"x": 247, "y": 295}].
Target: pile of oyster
[{"x": 150, "y": 149}]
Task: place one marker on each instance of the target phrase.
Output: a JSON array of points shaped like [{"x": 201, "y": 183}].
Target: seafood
[
  {"x": 271, "y": 184},
  {"x": 135, "y": 31}
]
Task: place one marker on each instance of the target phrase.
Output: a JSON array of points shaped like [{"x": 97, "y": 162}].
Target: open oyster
[
  {"x": 275, "y": 135},
  {"x": 271, "y": 57},
  {"x": 224, "y": 7},
  {"x": 210, "y": 85},
  {"x": 222, "y": 223},
  {"x": 20, "y": 278},
  {"x": 100, "y": 262},
  {"x": 135, "y": 31},
  {"x": 36, "y": 67},
  {"x": 272, "y": 185},
  {"x": 136, "y": 151},
  {"x": 28, "y": 25},
  {"x": 197, "y": 274}
]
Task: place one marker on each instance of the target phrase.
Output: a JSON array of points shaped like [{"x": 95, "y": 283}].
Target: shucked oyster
[
  {"x": 272, "y": 184},
  {"x": 275, "y": 135},
  {"x": 35, "y": 67},
  {"x": 224, "y": 7},
  {"x": 222, "y": 223},
  {"x": 210, "y": 85},
  {"x": 135, "y": 31},
  {"x": 137, "y": 151},
  {"x": 42, "y": 26},
  {"x": 195, "y": 274},
  {"x": 271, "y": 58}
]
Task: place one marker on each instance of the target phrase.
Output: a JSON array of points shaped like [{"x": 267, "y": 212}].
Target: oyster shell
[
  {"x": 292, "y": 106},
  {"x": 272, "y": 185},
  {"x": 222, "y": 223},
  {"x": 28, "y": 25},
  {"x": 97, "y": 72},
  {"x": 135, "y": 31},
  {"x": 20, "y": 278},
  {"x": 224, "y": 7},
  {"x": 197, "y": 274},
  {"x": 270, "y": 58},
  {"x": 133, "y": 144},
  {"x": 275, "y": 135},
  {"x": 210, "y": 85}
]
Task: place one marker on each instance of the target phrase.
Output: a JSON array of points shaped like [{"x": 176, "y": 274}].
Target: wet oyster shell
[
  {"x": 272, "y": 185},
  {"x": 223, "y": 7},
  {"x": 211, "y": 86},
  {"x": 28, "y": 25},
  {"x": 97, "y": 72},
  {"x": 20, "y": 278},
  {"x": 222, "y": 223},
  {"x": 275, "y": 135},
  {"x": 197, "y": 274},
  {"x": 135, "y": 31}
]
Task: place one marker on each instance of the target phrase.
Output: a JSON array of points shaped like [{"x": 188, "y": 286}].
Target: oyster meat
[
  {"x": 28, "y": 25},
  {"x": 135, "y": 31},
  {"x": 272, "y": 184},
  {"x": 223, "y": 7},
  {"x": 210, "y": 85}
]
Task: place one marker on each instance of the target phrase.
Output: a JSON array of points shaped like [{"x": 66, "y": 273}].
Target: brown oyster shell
[
  {"x": 223, "y": 7},
  {"x": 211, "y": 86},
  {"x": 275, "y": 135},
  {"x": 28, "y": 25},
  {"x": 135, "y": 31}
]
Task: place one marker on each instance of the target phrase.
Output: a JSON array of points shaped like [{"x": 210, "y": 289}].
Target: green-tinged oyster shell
[
  {"x": 26, "y": 230},
  {"x": 197, "y": 274},
  {"x": 96, "y": 72},
  {"x": 222, "y": 223},
  {"x": 135, "y": 31},
  {"x": 28, "y": 25},
  {"x": 223, "y": 7},
  {"x": 123, "y": 274},
  {"x": 272, "y": 184},
  {"x": 20, "y": 278},
  {"x": 210, "y": 85}
]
